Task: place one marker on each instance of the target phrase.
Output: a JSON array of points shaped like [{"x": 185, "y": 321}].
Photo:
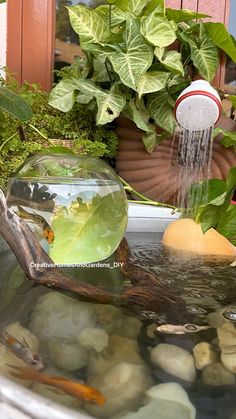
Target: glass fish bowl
[{"x": 76, "y": 206}]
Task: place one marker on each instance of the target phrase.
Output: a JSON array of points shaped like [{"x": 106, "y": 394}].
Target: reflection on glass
[
  {"x": 230, "y": 76},
  {"x": 67, "y": 42}
]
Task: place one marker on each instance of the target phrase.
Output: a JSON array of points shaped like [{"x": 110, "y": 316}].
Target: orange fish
[
  {"x": 40, "y": 221},
  {"x": 73, "y": 388}
]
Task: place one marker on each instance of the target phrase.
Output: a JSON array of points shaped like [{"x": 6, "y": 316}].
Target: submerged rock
[
  {"x": 56, "y": 315},
  {"x": 229, "y": 361},
  {"x": 123, "y": 386},
  {"x": 172, "y": 392},
  {"x": 161, "y": 409},
  {"x": 114, "y": 322},
  {"x": 227, "y": 338},
  {"x": 204, "y": 355},
  {"x": 217, "y": 375},
  {"x": 93, "y": 338},
  {"x": 69, "y": 356},
  {"x": 175, "y": 361},
  {"x": 119, "y": 350}
]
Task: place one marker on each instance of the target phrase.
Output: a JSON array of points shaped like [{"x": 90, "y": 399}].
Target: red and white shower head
[{"x": 198, "y": 107}]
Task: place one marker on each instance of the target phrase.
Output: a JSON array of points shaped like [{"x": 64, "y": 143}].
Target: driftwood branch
[{"x": 145, "y": 295}]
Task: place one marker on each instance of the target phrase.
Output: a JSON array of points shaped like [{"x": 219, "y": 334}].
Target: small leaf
[
  {"x": 135, "y": 58},
  {"x": 152, "y": 81},
  {"x": 208, "y": 218},
  {"x": 158, "y": 30},
  {"x": 171, "y": 60},
  {"x": 13, "y": 104},
  {"x": 161, "y": 110},
  {"x": 221, "y": 38},
  {"x": 183, "y": 15}
]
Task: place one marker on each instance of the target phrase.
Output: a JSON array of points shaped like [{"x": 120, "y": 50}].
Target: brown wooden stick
[{"x": 146, "y": 294}]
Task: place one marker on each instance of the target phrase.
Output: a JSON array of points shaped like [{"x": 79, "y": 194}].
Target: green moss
[{"x": 77, "y": 126}]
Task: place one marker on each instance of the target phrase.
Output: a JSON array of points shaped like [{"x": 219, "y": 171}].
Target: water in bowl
[
  {"x": 124, "y": 357},
  {"x": 80, "y": 221}
]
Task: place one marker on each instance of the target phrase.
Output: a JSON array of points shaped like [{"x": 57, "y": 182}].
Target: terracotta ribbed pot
[{"x": 156, "y": 175}]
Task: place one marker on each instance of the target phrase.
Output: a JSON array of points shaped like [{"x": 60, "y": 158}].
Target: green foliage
[
  {"x": 130, "y": 54},
  {"x": 21, "y": 140},
  {"x": 13, "y": 104},
  {"x": 210, "y": 205}
]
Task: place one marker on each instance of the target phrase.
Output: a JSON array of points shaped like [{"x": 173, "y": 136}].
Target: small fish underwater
[
  {"x": 20, "y": 350},
  {"x": 73, "y": 388},
  {"x": 180, "y": 330},
  {"x": 39, "y": 221}
]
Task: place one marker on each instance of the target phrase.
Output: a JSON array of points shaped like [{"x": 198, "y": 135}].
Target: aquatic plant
[{"x": 139, "y": 56}]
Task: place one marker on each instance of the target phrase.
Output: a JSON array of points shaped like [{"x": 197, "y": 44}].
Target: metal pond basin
[{"x": 17, "y": 402}]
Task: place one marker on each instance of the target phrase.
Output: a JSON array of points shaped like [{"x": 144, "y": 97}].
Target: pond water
[{"x": 141, "y": 371}]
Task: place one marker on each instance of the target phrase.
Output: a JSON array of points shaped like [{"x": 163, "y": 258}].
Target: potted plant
[{"x": 138, "y": 57}]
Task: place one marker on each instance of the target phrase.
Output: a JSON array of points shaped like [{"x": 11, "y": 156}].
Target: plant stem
[
  {"x": 7, "y": 140},
  {"x": 40, "y": 133},
  {"x": 144, "y": 199}
]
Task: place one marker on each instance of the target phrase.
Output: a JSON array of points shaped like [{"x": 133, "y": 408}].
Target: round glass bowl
[{"x": 76, "y": 206}]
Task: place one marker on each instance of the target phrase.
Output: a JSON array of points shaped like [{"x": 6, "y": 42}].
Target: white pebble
[{"x": 175, "y": 361}]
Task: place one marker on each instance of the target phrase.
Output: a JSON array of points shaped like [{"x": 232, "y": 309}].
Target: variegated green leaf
[
  {"x": 161, "y": 110},
  {"x": 137, "y": 111},
  {"x": 121, "y": 4},
  {"x": 221, "y": 37},
  {"x": 102, "y": 53},
  {"x": 205, "y": 58},
  {"x": 110, "y": 105},
  {"x": 183, "y": 15},
  {"x": 155, "y": 5},
  {"x": 89, "y": 24},
  {"x": 158, "y": 30},
  {"x": 113, "y": 15},
  {"x": 100, "y": 73},
  {"x": 83, "y": 99},
  {"x": 63, "y": 96},
  {"x": 137, "y": 6},
  {"x": 134, "y": 59},
  {"x": 171, "y": 60},
  {"x": 152, "y": 81}
]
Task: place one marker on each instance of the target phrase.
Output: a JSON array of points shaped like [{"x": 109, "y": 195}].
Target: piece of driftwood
[{"x": 145, "y": 295}]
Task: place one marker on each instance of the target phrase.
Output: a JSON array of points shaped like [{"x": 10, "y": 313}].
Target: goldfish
[
  {"x": 21, "y": 351},
  {"x": 73, "y": 388},
  {"x": 40, "y": 221},
  {"x": 180, "y": 330}
]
